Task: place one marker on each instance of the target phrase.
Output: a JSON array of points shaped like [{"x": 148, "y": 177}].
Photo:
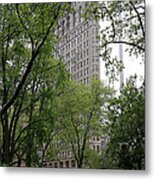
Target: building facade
[{"x": 78, "y": 45}]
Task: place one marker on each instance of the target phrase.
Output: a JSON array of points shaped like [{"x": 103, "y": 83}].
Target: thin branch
[
  {"x": 127, "y": 43},
  {"x": 112, "y": 22},
  {"x": 139, "y": 18}
]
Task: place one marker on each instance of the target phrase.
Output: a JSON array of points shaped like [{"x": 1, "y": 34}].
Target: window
[
  {"x": 97, "y": 68},
  {"x": 87, "y": 43},
  {"x": 87, "y": 52},
  {"x": 84, "y": 72},
  {"x": 81, "y": 38},
  {"x": 80, "y": 12},
  {"x": 97, "y": 60},
  {"x": 63, "y": 154},
  {"x": 87, "y": 60},
  {"x": 84, "y": 53},
  {"x": 74, "y": 51},
  {"x": 98, "y": 148},
  {"x": 68, "y": 23},
  {"x": 74, "y": 19},
  {"x": 84, "y": 62},
  {"x": 50, "y": 164},
  {"x": 69, "y": 46},
  {"x": 78, "y": 40},
  {"x": 87, "y": 80},
  {"x": 93, "y": 68},
  {"x": 84, "y": 44},
  {"x": 87, "y": 34},
  {"x": 78, "y": 75},
  {"x": 55, "y": 165},
  {"x": 81, "y": 73},
  {"x": 61, "y": 164},
  {"x": 87, "y": 71},
  {"x": 81, "y": 64},
  {"x": 67, "y": 164},
  {"x": 93, "y": 30},
  {"x": 68, "y": 153},
  {"x": 73, "y": 163},
  {"x": 81, "y": 55}
]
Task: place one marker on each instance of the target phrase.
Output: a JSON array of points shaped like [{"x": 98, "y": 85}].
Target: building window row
[
  {"x": 74, "y": 55},
  {"x": 65, "y": 27},
  {"x": 62, "y": 164},
  {"x": 83, "y": 72},
  {"x": 95, "y": 67},
  {"x": 95, "y": 59},
  {"x": 96, "y": 138},
  {"x": 73, "y": 41},
  {"x": 65, "y": 154},
  {"x": 77, "y": 42},
  {"x": 80, "y": 65},
  {"x": 96, "y": 148},
  {"x": 84, "y": 80}
]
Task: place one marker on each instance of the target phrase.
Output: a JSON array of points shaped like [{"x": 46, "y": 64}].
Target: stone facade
[{"x": 78, "y": 46}]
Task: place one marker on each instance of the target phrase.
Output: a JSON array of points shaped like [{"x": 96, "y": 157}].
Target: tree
[
  {"x": 80, "y": 110},
  {"x": 123, "y": 23},
  {"x": 126, "y": 149},
  {"x": 27, "y": 30}
]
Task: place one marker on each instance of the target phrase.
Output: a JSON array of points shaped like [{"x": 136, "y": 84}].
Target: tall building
[
  {"x": 78, "y": 48},
  {"x": 78, "y": 45}
]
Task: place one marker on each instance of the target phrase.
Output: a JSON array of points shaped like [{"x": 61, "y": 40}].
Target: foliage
[
  {"x": 126, "y": 148},
  {"x": 80, "y": 110},
  {"x": 93, "y": 160},
  {"x": 26, "y": 43},
  {"x": 123, "y": 23},
  {"x": 43, "y": 112}
]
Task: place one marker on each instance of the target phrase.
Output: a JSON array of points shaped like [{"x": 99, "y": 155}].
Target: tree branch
[
  {"x": 112, "y": 22},
  {"x": 139, "y": 18},
  {"x": 127, "y": 43},
  {"x": 28, "y": 69}
]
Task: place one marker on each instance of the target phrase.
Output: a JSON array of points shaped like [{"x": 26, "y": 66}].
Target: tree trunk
[{"x": 6, "y": 142}]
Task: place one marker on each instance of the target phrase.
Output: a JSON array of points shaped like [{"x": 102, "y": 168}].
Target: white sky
[{"x": 132, "y": 65}]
